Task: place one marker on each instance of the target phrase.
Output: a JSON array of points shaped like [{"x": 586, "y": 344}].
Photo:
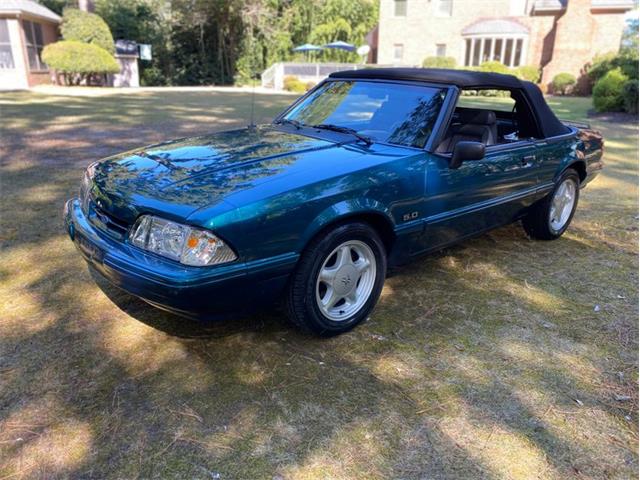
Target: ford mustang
[{"x": 369, "y": 169}]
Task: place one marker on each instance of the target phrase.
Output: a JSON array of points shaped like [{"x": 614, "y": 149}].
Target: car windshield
[{"x": 384, "y": 112}]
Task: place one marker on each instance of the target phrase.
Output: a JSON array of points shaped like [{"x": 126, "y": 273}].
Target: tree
[
  {"x": 79, "y": 62},
  {"x": 143, "y": 21},
  {"x": 87, "y": 28},
  {"x": 201, "y": 42},
  {"x": 629, "y": 44},
  {"x": 58, "y": 6}
]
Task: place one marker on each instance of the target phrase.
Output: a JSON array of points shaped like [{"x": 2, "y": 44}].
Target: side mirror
[{"x": 466, "y": 151}]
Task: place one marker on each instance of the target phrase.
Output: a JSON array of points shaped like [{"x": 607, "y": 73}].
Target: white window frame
[
  {"x": 438, "y": 46},
  {"x": 509, "y": 62},
  {"x": 395, "y": 47},
  {"x": 438, "y": 6},
  {"x": 40, "y": 65},
  {"x": 8, "y": 44},
  {"x": 395, "y": 6}
]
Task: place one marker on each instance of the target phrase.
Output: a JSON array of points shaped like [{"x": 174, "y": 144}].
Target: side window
[
  {"x": 6, "y": 56},
  {"x": 33, "y": 35},
  {"x": 485, "y": 116},
  {"x": 400, "y": 8}
]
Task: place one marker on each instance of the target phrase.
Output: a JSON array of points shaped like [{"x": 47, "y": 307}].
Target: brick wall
[{"x": 562, "y": 41}]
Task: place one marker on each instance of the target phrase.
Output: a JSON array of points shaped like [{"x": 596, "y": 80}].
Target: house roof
[
  {"x": 460, "y": 78},
  {"x": 555, "y": 5},
  {"x": 18, "y": 7},
  {"x": 495, "y": 26},
  {"x": 614, "y": 4}
]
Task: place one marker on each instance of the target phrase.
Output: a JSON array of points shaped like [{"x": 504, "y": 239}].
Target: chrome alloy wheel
[
  {"x": 562, "y": 205},
  {"x": 346, "y": 280}
]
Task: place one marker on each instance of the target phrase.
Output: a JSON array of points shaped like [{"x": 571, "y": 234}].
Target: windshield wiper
[
  {"x": 338, "y": 128},
  {"x": 287, "y": 121}
]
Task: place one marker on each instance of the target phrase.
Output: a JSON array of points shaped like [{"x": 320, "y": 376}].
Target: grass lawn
[{"x": 500, "y": 358}]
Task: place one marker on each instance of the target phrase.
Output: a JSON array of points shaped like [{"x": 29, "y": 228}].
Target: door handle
[{"x": 528, "y": 160}]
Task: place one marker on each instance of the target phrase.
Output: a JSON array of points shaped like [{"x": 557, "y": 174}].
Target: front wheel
[
  {"x": 338, "y": 280},
  {"x": 550, "y": 217}
]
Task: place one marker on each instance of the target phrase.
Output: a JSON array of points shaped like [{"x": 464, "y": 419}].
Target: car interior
[{"x": 490, "y": 126}]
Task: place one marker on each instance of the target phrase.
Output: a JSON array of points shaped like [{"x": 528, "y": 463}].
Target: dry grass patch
[{"x": 499, "y": 358}]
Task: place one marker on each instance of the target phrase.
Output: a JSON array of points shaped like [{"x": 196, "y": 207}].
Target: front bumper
[{"x": 190, "y": 291}]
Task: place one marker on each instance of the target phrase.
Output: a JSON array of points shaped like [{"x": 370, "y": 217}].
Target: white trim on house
[
  {"x": 469, "y": 60},
  {"x": 14, "y": 78}
]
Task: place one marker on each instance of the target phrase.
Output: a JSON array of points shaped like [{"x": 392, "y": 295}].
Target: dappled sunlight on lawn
[
  {"x": 504, "y": 453},
  {"x": 41, "y": 440},
  {"x": 489, "y": 359}
]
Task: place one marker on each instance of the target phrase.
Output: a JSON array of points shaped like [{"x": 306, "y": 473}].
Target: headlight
[
  {"x": 188, "y": 245},
  {"x": 85, "y": 186}
]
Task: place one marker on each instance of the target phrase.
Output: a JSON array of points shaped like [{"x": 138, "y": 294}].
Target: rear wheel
[
  {"x": 338, "y": 280},
  {"x": 549, "y": 218}
]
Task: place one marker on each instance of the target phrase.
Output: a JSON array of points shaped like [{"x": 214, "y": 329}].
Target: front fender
[{"x": 342, "y": 211}]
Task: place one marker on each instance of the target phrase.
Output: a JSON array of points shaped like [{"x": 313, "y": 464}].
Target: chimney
[{"x": 573, "y": 44}]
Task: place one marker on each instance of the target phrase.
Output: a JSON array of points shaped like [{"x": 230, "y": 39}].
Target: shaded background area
[{"x": 499, "y": 358}]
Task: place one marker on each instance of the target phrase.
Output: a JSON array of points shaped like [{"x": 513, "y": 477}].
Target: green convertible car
[{"x": 370, "y": 168}]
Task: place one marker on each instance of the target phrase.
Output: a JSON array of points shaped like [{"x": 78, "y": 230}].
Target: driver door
[{"x": 479, "y": 195}]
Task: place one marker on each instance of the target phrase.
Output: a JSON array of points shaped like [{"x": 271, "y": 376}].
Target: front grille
[{"x": 107, "y": 222}]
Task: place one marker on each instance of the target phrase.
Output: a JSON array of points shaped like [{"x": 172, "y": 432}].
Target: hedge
[
  {"x": 293, "y": 84},
  {"x": 528, "y": 73},
  {"x": 78, "y": 61},
  {"x": 602, "y": 64},
  {"x": 562, "y": 83},
  {"x": 493, "y": 67},
  {"x": 608, "y": 95},
  {"x": 87, "y": 28},
  {"x": 439, "y": 62}
]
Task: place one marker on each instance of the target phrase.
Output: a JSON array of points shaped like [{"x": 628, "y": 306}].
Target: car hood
[{"x": 181, "y": 176}]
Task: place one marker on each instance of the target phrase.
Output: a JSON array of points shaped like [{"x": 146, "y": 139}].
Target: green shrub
[
  {"x": 602, "y": 64},
  {"x": 608, "y": 95},
  {"x": 493, "y": 67},
  {"x": 310, "y": 85},
  {"x": 87, "y": 28},
  {"x": 439, "y": 62},
  {"x": 529, "y": 73},
  {"x": 152, "y": 77},
  {"x": 630, "y": 96},
  {"x": 293, "y": 84},
  {"x": 562, "y": 83},
  {"x": 79, "y": 61}
]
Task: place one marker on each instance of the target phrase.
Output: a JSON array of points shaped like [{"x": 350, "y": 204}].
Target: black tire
[
  {"x": 300, "y": 299},
  {"x": 537, "y": 224}
]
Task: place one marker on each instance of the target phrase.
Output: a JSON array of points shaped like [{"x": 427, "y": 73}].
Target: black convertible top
[
  {"x": 548, "y": 123},
  {"x": 459, "y": 78}
]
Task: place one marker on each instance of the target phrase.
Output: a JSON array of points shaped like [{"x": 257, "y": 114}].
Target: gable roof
[
  {"x": 556, "y": 5},
  {"x": 495, "y": 25},
  {"x": 459, "y": 78},
  {"x": 17, "y": 7}
]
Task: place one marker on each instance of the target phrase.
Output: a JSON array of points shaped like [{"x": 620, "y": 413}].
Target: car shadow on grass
[{"x": 213, "y": 326}]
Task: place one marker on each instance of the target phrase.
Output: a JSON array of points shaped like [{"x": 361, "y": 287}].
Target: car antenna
[{"x": 252, "y": 76}]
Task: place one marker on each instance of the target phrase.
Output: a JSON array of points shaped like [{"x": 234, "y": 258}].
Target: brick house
[
  {"x": 556, "y": 35},
  {"x": 25, "y": 28}
]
